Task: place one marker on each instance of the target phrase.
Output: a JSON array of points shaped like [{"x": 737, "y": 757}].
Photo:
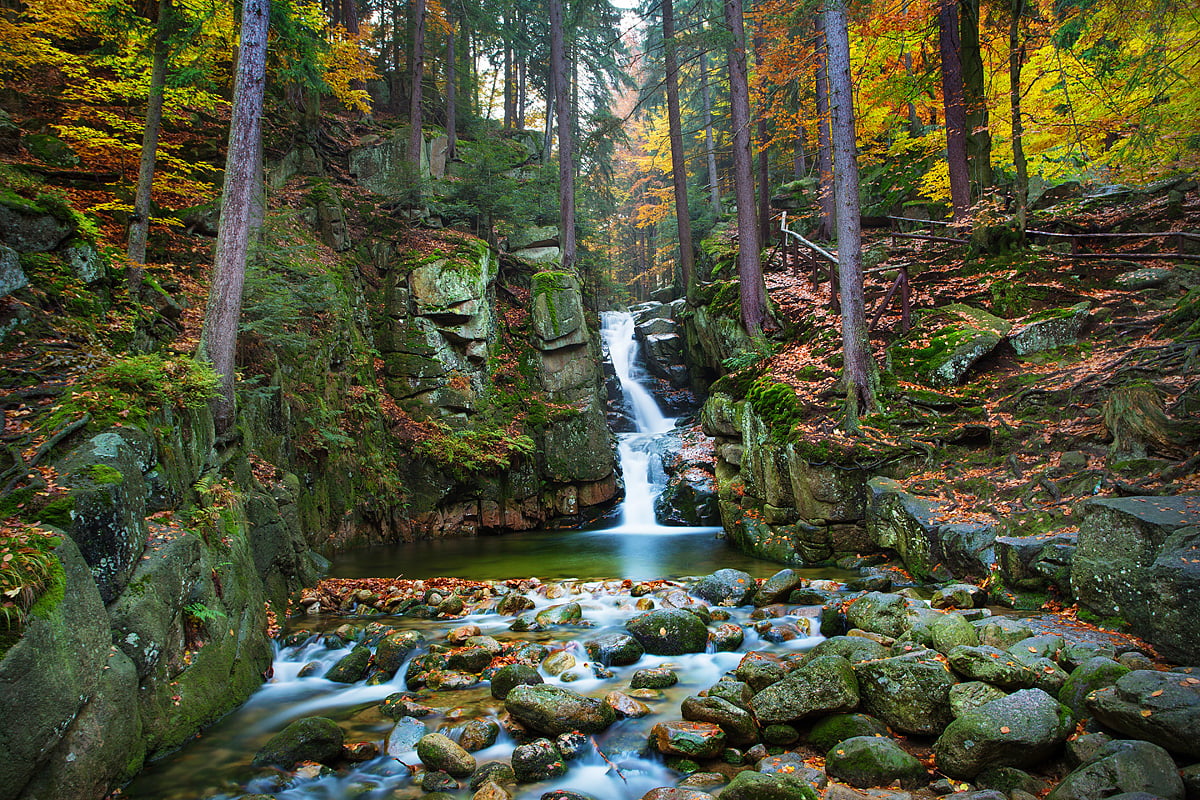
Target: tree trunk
[
  {"x": 451, "y": 92},
  {"x": 508, "y": 81},
  {"x": 750, "y": 280},
  {"x": 218, "y": 340},
  {"x": 416, "y": 140},
  {"x": 687, "y": 259},
  {"x": 1016, "y": 54},
  {"x": 824, "y": 158},
  {"x": 955, "y": 109},
  {"x": 566, "y": 161},
  {"x": 799, "y": 160},
  {"x": 860, "y": 375},
  {"x": 522, "y": 82},
  {"x": 764, "y": 165},
  {"x": 979, "y": 137},
  {"x": 710, "y": 146},
  {"x": 139, "y": 225}
]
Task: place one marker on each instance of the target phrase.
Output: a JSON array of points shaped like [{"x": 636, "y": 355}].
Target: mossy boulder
[
  {"x": 1049, "y": 330},
  {"x": 615, "y": 650},
  {"x": 725, "y": 587},
  {"x": 1122, "y": 767},
  {"x": 50, "y": 150},
  {"x": 1160, "y": 707},
  {"x": 439, "y": 752},
  {"x": 954, "y": 339},
  {"x": 12, "y": 277},
  {"x": 910, "y": 693},
  {"x": 1018, "y": 730},
  {"x": 751, "y": 785},
  {"x": 828, "y": 731},
  {"x": 351, "y": 667},
  {"x": 309, "y": 739},
  {"x": 669, "y": 632},
  {"x": 1095, "y": 673},
  {"x": 825, "y": 684},
  {"x": 739, "y": 726},
  {"x": 866, "y": 761},
  {"x": 553, "y": 710},
  {"x": 30, "y": 227},
  {"x": 688, "y": 739}
]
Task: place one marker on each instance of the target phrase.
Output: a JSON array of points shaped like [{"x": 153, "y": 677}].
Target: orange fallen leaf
[
  {"x": 1156, "y": 694},
  {"x": 1005, "y": 729},
  {"x": 1146, "y": 712}
]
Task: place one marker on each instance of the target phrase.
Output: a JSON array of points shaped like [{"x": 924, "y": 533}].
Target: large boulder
[
  {"x": 911, "y": 526},
  {"x": 880, "y": 612},
  {"x": 12, "y": 277},
  {"x": 738, "y": 724},
  {"x": 1047, "y": 330},
  {"x": 1122, "y": 766},
  {"x": 947, "y": 343},
  {"x": 1095, "y": 673},
  {"x": 866, "y": 761},
  {"x": 910, "y": 693},
  {"x": 1033, "y": 562},
  {"x": 688, "y": 739},
  {"x": 669, "y": 632},
  {"x": 439, "y": 752},
  {"x": 825, "y": 684},
  {"x": 614, "y": 650},
  {"x": 28, "y": 228},
  {"x": 1135, "y": 559},
  {"x": 751, "y": 785},
  {"x": 308, "y": 739},
  {"x": 553, "y": 710},
  {"x": 725, "y": 587},
  {"x": 1018, "y": 730},
  {"x": 1160, "y": 707}
]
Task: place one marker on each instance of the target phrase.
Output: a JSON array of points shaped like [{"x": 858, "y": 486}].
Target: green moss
[
  {"x": 776, "y": 404},
  {"x": 103, "y": 473},
  {"x": 548, "y": 284},
  {"x": 722, "y": 298}
]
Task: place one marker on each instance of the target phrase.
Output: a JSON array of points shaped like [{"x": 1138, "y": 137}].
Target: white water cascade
[{"x": 636, "y": 450}]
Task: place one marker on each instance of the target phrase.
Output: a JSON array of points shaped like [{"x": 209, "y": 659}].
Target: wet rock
[
  {"x": 572, "y": 745},
  {"x": 395, "y": 648},
  {"x": 402, "y": 704},
  {"x": 1119, "y": 767},
  {"x": 735, "y": 692},
  {"x": 739, "y": 726},
  {"x": 553, "y": 710},
  {"x": 653, "y": 678},
  {"x": 565, "y": 614},
  {"x": 439, "y": 752},
  {"x": 438, "y": 781},
  {"x": 1002, "y": 632},
  {"x": 537, "y": 761},
  {"x": 759, "y": 669},
  {"x": 778, "y": 587},
  {"x": 972, "y": 694},
  {"x": 689, "y": 739},
  {"x": 958, "y": 595},
  {"x": 497, "y": 772},
  {"x": 559, "y": 662},
  {"x": 950, "y": 631},
  {"x": 444, "y": 680},
  {"x": 626, "y": 707},
  {"x": 782, "y": 631},
  {"x": 566, "y": 794},
  {"x": 909, "y": 693},
  {"x": 791, "y": 766},
  {"x": 615, "y": 650},
  {"x": 470, "y": 659},
  {"x": 676, "y": 793},
  {"x": 669, "y": 632},
  {"x": 852, "y": 648},
  {"x": 308, "y": 739},
  {"x": 889, "y": 614},
  {"x": 828, "y": 731},
  {"x": 725, "y": 587},
  {"x": 728, "y": 636},
  {"x": 1160, "y": 707},
  {"x": 751, "y": 785},
  {"x": 991, "y": 665},
  {"x": 512, "y": 604},
  {"x": 478, "y": 734},
  {"x": 511, "y": 676},
  {"x": 406, "y": 734},
  {"x": 461, "y": 634},
  {"x": 491, "y": 791},
  {"x": 1093, "y": 674},
  {"x": 825, "y": 684},
  {"x": 1018, "y": 730},
  {"x": 866, "y": 761}
]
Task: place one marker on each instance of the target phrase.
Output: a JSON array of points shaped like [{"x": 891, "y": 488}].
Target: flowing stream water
[{"x": 587, "y": 566}]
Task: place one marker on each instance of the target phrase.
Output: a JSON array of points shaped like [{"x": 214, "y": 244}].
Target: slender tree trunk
[
  {"x": 522, "y": 70},
  {"x": 218, "y": 340},
  {"x": 799, "y": 160},
  {"x": 824, "y": 157},
  {"x": 979, "y": 137},
  {"x": 139, "y": 226},
  {"x": 750, "y": 280},
  {"x": 955, "y": 108},
  {"x": 451, "y": 93},
  {"x": 416, "y": 139},
  {"x": 1016, "y": 54},
  {"x": 764, "y": 164},
  {"x": 687, "y": 258},
  {"x": 710, "y": 145},
  {"x": 508, "y": 81},
  {"x": 914, "y": 121},
  {"x": 566, "y": 160},
  {"x": 861, "y": 378}
]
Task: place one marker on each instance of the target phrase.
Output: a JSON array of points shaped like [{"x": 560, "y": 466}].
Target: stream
[{"x": 583, "y": 566}]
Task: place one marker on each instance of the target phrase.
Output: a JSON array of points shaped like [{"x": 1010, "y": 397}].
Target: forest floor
[{"x": 1023, "y": 439}]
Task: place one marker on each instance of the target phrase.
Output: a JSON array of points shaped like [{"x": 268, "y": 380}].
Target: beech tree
[
  {"x": 753, "y": 292},
  {"x": 859, "y": 372},
  {"x": 218, "y": 338}
]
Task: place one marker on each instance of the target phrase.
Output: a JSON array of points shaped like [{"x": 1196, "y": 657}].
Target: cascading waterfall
[{"x": 636, "y": 449}]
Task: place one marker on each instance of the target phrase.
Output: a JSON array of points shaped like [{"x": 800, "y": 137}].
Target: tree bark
[
  {"x": 416, "y": 139},
  {"x": 955, "y": 109},
  {"x": 687, "y": 258},
  {"x": 1016, "y": 54},
  {"x": 451, "y": 92},
  {"x": 139, "y": 225},
  {"x": 824, "y": 157},
  {"x": 566, "y": 161},
  {"x": 218, "y": 340},
  {"x": 979, "y": 136},
  {"x": 764, "y": 164},
  {"x": 710, "y": 146},
  {"x": 799, "y": 160},
  {"x": 859, "y": 372},
  {"x": 750, "y": 280}
]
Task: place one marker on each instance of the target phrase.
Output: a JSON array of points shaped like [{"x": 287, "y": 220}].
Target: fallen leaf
[
  {"x": 1156, "y": 694},
  {"x": 1005, "y": 729},
  {"x": 1146, "y": 712}
]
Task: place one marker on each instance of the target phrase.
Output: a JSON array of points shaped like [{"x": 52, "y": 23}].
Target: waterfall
[{"x": 644, "y": 479}]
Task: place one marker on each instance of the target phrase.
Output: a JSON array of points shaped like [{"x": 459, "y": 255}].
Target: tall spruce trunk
[
  {"x": 451, "y": 93},
  {"x": 859, "y": 372},
  {"x": 218, "y": 338},
  {"x": 954, "y": 102},
  {"x": 683, "y": 219},
  {"x": 1016, "y": 54},
  {"x": 139, "y": 225},
  {"x": 764, "y": 162},
  {"x": 416, "y": 140},
  {"x": 710, "y": 146},
  {"x": 750, "y": 280},
  {"x": 566, "y": 160},
  {"x": 824, "y": 156}
]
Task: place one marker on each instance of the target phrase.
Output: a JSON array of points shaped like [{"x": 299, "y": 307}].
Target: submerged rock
[
  {"x": 308, "y": 739},
  {"x": 553, "y": 710}
]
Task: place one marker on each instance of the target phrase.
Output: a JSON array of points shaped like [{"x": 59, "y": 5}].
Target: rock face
[
  {"x": 907, "y": 525},
  {"x": 1128, "y": 564}
]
